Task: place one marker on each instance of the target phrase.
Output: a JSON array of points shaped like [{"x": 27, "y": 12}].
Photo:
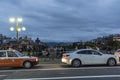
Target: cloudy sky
[{"x": 62, "y": 20}]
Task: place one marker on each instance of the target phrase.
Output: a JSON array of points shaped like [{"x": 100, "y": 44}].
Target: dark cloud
[{"x": 62, "y": 20}]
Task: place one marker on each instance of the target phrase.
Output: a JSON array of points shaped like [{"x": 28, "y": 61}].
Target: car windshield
[
  {"x": 118, "y": 50},
  {"x": 19, "y": 53}
]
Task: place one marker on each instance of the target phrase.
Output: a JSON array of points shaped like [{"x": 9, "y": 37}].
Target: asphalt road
[{"x": 61, "y": 72}]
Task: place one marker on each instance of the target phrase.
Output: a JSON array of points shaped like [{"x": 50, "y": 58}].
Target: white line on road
[
  {"x": 2, "y": 75},
  {"x": 71, "y": 77},
  {"x": 42, "y": 69}
]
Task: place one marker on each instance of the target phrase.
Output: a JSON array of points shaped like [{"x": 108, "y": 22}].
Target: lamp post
[{"x": 16, "y": 28}]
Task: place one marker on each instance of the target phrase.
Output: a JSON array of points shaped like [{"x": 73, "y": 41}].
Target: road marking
[
  {"x": 49, "y": 69},
  {"x": 2, "y": 75},
  {"x": 71, "y": 77}
]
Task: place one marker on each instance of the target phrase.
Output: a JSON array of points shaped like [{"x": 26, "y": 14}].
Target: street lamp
[{"x": 17, "y": 28}]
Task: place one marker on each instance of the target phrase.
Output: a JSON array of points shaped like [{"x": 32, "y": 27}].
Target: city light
[
  {"x": 17, "y": 28},
  {"x": 12, "y": 20},
  {"x": 11, "y": 28},
  {"x": 23, "y": 28},
  {"x": 19, "y": 19}
]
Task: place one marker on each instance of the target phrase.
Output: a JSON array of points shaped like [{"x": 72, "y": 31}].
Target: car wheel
[
  {"x": 76, "y": 63},
  {"x": 111, "y": 62},
  {"x": 27, "y": 64}
]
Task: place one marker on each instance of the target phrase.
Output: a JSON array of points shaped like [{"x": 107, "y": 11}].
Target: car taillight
[{"x": 65, "y": 55}]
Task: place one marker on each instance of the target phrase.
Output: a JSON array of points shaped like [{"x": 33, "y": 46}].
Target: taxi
[{"x": 13, "y": 58}]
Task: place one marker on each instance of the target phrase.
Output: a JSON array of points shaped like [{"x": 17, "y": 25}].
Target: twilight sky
[{"x": 62, "y": 20}]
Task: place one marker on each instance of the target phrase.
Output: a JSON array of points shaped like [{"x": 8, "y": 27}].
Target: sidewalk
[{"x": 49, "y": 61}]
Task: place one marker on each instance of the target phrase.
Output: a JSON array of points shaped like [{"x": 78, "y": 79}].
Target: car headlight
[{"x": 37, "y": 59}]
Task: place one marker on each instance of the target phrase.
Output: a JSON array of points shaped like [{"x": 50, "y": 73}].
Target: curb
[{"x": 49, "y": 61}]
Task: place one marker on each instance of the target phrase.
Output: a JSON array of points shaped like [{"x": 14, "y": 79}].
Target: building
[
  {"x": 1, "y": 39},
  {"x": 116, "y": 37}
]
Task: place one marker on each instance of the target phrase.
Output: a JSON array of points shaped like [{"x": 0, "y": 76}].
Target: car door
[
  {"x": 12, "y": 59},
  {"x": 2, "y": 58},
  {"x": 98, "y": 58},
  {"x": 85, "y": 56}
]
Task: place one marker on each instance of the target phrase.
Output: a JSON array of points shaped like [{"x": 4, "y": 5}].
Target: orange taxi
[{"x": 13, "y": 58}]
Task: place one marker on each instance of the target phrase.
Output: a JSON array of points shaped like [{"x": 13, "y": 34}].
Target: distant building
[
  {"x": 37, "y": 41},
  {"x": 6, "y": 40},
  {"x": 116, "y": 37},
  {"x": 25, "y": 40},
  {"x": 1, "y": 39}
]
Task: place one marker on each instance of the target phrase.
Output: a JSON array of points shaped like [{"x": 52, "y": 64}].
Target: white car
[
  {"x": 88, "y": 57},
  {"x": 117, "y": 53}
]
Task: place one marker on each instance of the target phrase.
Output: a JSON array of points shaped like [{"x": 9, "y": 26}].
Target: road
[{"x": 61, "y": 72}]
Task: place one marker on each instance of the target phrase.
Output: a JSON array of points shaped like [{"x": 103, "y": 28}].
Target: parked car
[
  {"x": 117, "y": 53},
  {"x": 88, "y": 57},
  {"x": 13, "y": 58}
]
